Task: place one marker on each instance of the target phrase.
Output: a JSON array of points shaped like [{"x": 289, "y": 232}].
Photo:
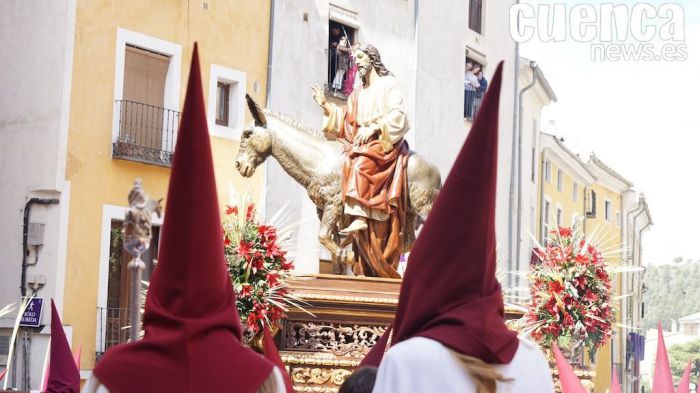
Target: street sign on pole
[{"x": 32, "y": 313}]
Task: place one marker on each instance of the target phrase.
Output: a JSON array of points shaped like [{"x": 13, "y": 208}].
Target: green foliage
[
  {"x": 672, "y": 293},
  {"x": 115, "y": 251},
  {"x": 679, "y": 355}
]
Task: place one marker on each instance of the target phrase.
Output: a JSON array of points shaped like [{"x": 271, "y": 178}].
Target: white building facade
[
  {"x": 425, "y": 47},
  {"x": 34, "y": 109}
]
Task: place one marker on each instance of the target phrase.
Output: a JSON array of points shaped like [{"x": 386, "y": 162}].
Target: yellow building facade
[
  {"x": 571, "y": 189},
  {"x": 130, "y": 68}
]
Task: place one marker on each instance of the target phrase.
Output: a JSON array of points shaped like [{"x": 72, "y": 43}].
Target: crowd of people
[{"x": 475, "y": 85}]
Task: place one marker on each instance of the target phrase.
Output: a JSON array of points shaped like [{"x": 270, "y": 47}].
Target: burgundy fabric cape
[
  {"x": 272, "y": 354},
  {"x": 64, "y": 376},
  {"x": 568, "y": 379},
  {"x": 450, "y": 293},
  {"x": 192, "y": 339}
]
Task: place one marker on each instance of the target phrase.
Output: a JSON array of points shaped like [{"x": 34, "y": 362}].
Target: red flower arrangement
[
  {"x": 258, "y": 269},
  {"x": 570, "y": 294}
]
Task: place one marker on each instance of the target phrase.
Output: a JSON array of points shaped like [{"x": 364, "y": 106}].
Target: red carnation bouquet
[
  {"x": 258, "y": 267},
  {"x": 570, "y": 294}
]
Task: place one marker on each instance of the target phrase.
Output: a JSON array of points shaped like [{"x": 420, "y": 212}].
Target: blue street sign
[{"x": 32, "y": 314}]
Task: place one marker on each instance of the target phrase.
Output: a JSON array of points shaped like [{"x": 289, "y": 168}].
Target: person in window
[
  {"x": 333, "y": 41},
  {"x": 470, "y": 86},
  {"x": 342, "y": 63},
  {"x": 483, "y": 84}
]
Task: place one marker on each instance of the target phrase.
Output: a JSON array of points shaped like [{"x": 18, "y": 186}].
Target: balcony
[
  {"x": 472, "y": 103},
  {"x": 114, "y": 328},
  {"x": 146, "y": 133}
]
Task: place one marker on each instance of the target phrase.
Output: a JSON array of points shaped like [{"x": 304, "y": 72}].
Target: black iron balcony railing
[
  {"x": 113, "y": 328},
  {"x": 146, "y": 133},
  {"x": 472, "y": 103}
]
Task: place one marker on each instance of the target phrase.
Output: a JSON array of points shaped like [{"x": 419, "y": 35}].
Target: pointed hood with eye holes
[{"x": 192, "y": 339}]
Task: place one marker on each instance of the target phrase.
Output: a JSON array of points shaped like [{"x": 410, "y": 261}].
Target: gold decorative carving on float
[
  {"x": 347, "y": 299},
  {"x": 317, "y": 360},
  {"x": 308, "y": 377},
  {"x": 339, "y": 339}
]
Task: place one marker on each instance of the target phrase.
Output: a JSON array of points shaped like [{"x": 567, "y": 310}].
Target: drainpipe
[
  {"x": 639, "y": 211},
  {"x": 542, "y": 223},
  {"x": 533, "y": 67},
  {"x": 25, "y": 229},
  {"x": 511, "y": 199},
  {"x": 271, "y": 32},
  {"x": 268, "y": 100}
]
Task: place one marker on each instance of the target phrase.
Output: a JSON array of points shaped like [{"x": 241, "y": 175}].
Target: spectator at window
[
  {"x": 333, "y": 41},
  {"x": 483, "y": 83},
  {"x": 342, "y": 63},
  {"x": 470, "y": 86}
]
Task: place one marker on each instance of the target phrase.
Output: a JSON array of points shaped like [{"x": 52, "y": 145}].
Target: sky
[{"x": 639, "y": 117}]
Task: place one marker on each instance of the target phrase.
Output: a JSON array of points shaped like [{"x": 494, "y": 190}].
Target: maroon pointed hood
[
  {"x": 192, "y": 339},
  {"x": 450, "y": 292},
  {"x": 64, "y": 376}
]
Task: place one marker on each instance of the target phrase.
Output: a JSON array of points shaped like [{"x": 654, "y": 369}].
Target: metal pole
[
  {"x": 137, "y": 238},
  {"x": 136, "y": 267}
]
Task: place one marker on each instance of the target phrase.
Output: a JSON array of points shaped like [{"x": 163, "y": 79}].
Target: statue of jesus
[{"x": 372, "y": 127}]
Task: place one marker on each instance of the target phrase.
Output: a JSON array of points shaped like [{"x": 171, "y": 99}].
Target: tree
[
  {"x": 671, "y": 293},
  {"x": 679, "y": 355}
]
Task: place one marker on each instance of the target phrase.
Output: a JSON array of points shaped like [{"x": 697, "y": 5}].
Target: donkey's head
[{"x": 255, "y": 141}]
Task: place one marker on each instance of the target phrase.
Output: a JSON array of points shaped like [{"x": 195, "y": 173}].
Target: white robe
[
  {"x": 379, "y": 105},
  {"x": 422, "y": 365},
  {"x": 93, "y": 385}
]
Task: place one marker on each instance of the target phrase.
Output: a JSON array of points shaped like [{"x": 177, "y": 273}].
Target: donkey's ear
[{"x": 258, "y": 115}]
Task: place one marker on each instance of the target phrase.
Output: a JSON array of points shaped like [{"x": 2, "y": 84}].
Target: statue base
[{"x": 350, "y": 315}]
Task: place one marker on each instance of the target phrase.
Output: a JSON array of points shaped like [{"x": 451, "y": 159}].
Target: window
[
  {"x": 591, "y": 211},
  {"x": 474, "y": 86},
  {"x": 222, "y": 103},
  {"x": 548, "y": 171},
  {"x": 146, "y": 98},
  {"x": 226, "y": 101},
  {"x": 340, "y": 41},
  {"x": 475, "y": 16},
  {"x": 574, "y": 190},
  {"x": 145, "y": 127},
  {"x": 560, "y": 180},
  {"x": 4, "y": 349},
  {"x": 116, "y": 314},
  {"x": 560, "y": 216},
  {"x": 545, "y": 221},
  {"x": 608, "y": 211}
]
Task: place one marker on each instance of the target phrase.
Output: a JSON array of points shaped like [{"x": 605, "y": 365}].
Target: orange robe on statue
[{"x": 374, "y": 176}]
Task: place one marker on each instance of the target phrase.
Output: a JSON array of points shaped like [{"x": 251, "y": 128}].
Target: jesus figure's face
[{"x": 364, "y": 64}]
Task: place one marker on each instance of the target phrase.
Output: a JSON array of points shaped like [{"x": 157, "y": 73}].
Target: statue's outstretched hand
[{"x": 319, "y": 95}]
